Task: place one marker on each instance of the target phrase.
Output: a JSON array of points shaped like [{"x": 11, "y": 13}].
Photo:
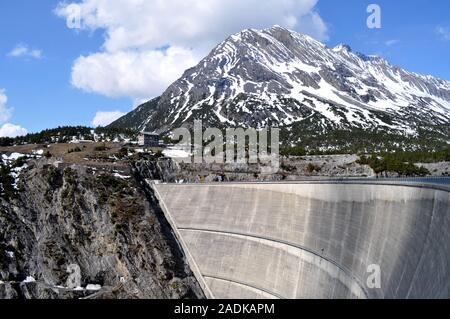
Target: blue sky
[
  {"x": 47, "y": 86},
  {"x": 39, "y": 90},
  {"x": 413, "y": 24}
]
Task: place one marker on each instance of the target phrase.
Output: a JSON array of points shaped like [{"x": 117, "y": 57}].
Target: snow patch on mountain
[{"x": 279, "y": 77}]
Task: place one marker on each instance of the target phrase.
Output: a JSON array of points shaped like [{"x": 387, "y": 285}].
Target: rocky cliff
[{"x": 78, "y": 232}]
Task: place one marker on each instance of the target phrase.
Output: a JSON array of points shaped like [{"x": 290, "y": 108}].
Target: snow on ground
[
  {"x": 12, "y": 157},
  {"x": 10, "y": 160},
  {"x": 121, "y": 176},
  {"x": 176, "y": 153},
  {"x": 38, "y": 152},
  {"x": 93, "y": 287},
  {"x": 29, "y": 279},
  {"x": 15, "y": 172}
]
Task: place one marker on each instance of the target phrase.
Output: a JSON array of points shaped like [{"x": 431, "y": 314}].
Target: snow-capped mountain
[{"x": 282, "y": 78}]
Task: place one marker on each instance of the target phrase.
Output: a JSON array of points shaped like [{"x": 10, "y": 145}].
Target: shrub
[
  {"x": 74, "y": 150},
  {"x": 7, "y": 190},
  {"x": 70, "y": 176},
  {"x": 288, "y": 168},
  {"x": 19, "y": 162},
  {"x": 101, "y": 148},
  {"x": 123, "y": 153},
  {"x": 52, "y": 175},
  {"x": 311, "y": 168},
  {"x": 292, "y": 151},
  {"x": 393, "y": 163}
]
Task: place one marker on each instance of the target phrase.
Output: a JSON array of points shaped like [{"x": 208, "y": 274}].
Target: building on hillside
[{"x": 148, "y": 139}]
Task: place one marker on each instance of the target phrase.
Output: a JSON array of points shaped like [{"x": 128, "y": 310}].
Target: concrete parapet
[{"x": 313, "y": 240}]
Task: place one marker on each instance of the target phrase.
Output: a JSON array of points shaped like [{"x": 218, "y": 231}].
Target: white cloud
[
  {"x": 23, "y": 51},
  {"x": 11, "y": 130},
  {"x": 130, "y": 62},
  {"x": 8, "y": 129},
  {"x": 390, "y": 43},
  {"x": 443, "y": 32},
  {"x": 5, "y": 112},
  {"x": 131, "y": 73},
  {"x": 106, "y": 118}
]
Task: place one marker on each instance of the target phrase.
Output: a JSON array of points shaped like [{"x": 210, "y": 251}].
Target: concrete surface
[{"x": 313, "y": 240}]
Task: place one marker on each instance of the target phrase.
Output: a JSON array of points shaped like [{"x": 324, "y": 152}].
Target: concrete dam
[{"x": 313, "y": 240}]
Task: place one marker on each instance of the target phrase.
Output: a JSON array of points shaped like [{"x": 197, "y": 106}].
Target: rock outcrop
[{"x": 76, "y": 232}]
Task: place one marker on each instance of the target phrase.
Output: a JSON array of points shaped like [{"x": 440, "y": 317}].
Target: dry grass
[{"x": 87, "y": 156}]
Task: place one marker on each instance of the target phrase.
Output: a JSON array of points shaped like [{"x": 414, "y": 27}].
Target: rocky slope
[
  {"x": 106, "y": 227},
  {"x": 282, "y": 78},
  {"x": 291, "y": 168}
]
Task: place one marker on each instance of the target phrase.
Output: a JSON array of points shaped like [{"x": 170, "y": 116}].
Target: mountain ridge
[{"x": 282, "y": 78}]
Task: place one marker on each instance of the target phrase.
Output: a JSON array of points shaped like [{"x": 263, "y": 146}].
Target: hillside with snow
[{"x": 277, "y": 77}]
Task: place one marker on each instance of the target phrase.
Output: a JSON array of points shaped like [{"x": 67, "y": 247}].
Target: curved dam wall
[{"x": 300, "y": 240}]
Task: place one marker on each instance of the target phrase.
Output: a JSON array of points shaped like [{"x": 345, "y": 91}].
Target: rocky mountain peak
[
  {"x": 342, "y": 48},
  {"x": 280, "y": 77}
]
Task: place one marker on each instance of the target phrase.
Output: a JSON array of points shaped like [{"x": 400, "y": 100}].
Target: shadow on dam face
[{"x": 306, "y": 240}]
